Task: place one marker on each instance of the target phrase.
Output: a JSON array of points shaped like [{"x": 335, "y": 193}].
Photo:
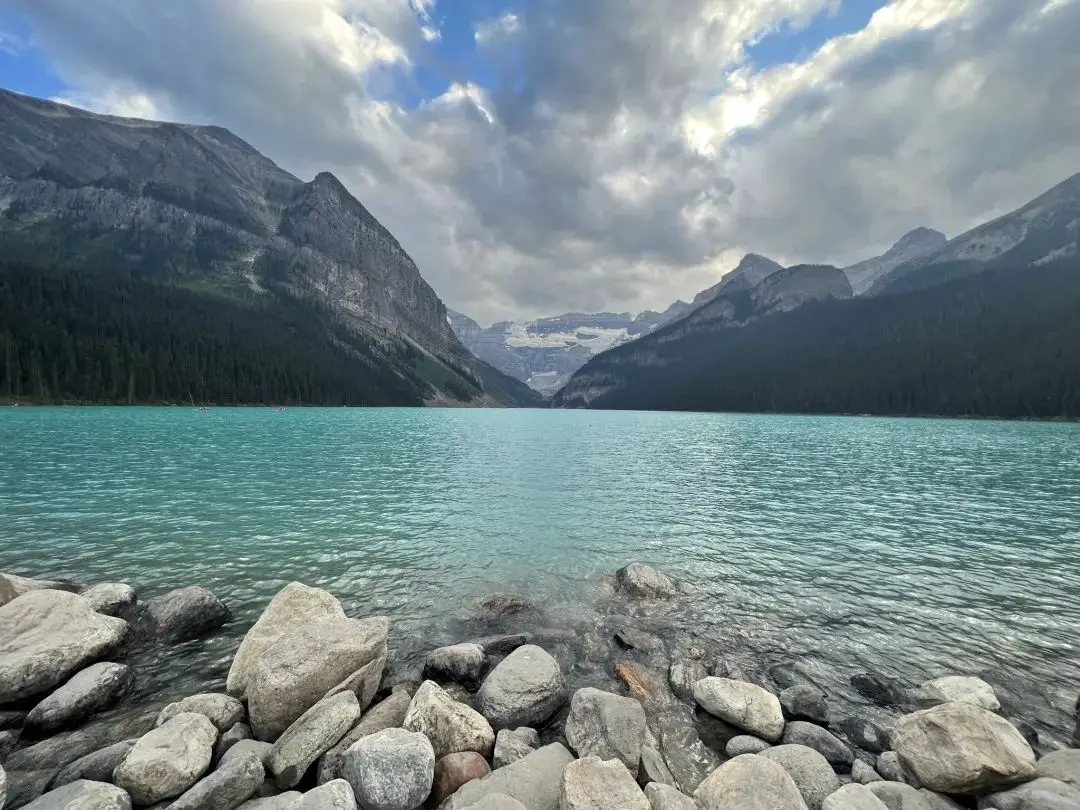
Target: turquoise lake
[{"x": 913, "y": 547}]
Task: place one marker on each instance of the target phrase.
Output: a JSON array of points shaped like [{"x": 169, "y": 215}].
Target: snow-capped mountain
[{"x": 911, "y": 245}]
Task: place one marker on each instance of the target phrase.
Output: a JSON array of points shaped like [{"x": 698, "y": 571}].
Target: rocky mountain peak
[{"x": 918, "y": 239}]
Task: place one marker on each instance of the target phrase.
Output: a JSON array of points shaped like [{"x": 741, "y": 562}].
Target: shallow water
[{"x": 913, "y": 547}]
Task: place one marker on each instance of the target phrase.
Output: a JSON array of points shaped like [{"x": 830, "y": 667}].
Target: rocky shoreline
[{"x": 317, "y": 711}]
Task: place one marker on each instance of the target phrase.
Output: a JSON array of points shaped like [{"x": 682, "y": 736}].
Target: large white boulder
[
  {"x": 743, "y": 704},
  {"x": 957, "y": 689}
]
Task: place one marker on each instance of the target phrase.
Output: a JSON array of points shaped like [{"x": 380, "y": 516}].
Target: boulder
[
  {"x": 12, "y": 587},
  {"x": 226, "y": 788},
  {"x": 606, "y": 726},
  {"x": 238, "y": 733},
  {"x": 665, "y": 797},
  {"x": 864, "y": 734},
  {"x": 303, "y": 666},
  {"x": 888, "y": 765},
  {"x": 291, "y": 801},
  {"x": 1039, "y": 794},
  {"x": 244, "y": 747},
  {"x": 46, "y": 636},
  {"x": 749, "y": 782},
  {"x": 510, "y": 746},
  {"x": 684, "y": 674},
  {"x": 805, "y": 702},
  {"x": 654, "y": 769},
  {"x": 223, "y": 711},
  {"x": 334, "y": 795},
  {"x": 464, "y": 663},
  {"x": 95, "y": 767},
  {"x": 839, "y": 755},
  {"x": 957, "y": 689},
  {"x": 524, "y": 689},
  {"x": 853, "y": 797},
  {"x": 592, "y": 783},
  {"x": 82, "y": 795},
  {"x": 812, "y": 773},
  {"x": 89, "y": 691},
  {"x": 534, "y": 781},
  {"x": 167, "y": 761},
  {"x": 64, "y": 748},
  {"x": 745, "y": 744},
  {"x": 502, "y": 644},
  {"x": 179, "y": 615},
  {"x": 1063, "y": 765},
  {"x": 317, "y": 730},
  {"x": 110, "y": 598},
  {"x": 880, "y": 689},
  {"x": 497, "y": 801},
  {"x": 962, "y": 748},
  {"x": 742, "y": 704},
  {"x": 898, "y": 796},
  {"x": 390, "y": 770},
  {"x": 643, "y": 582},
  {"x": 863, "y": 774},
  {"x": 390, "y": 713},
  {"x": 451, "y": 726},
  {"x": 453, "y": 771}
]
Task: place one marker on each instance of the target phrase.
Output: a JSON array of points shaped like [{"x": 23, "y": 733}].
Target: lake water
[{"x": 912, "y": 547}]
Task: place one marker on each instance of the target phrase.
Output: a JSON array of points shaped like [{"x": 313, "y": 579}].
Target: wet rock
[
  {"x": 890, "y": 768},
  {"x": 316, "y": 731},
  {"x": 534, "y": 781},
  {"x": 222, "y": 710},
  {"x": 110, "y": 598},
  {"x": 303, "y": 666},
  {"x": 335, "y": 795},
  {"x": 631, "y": 638},
  {"x": 749, "y": 782},
  {"x": 644, "y": 582},
  {"x": 839, "y": 755},
  {"x": 389, "y": 713},
  {"x": 451, "y": 726},
  {"x": 745, "y": 744},
  {"x": 88, "y": 692},
  {"x": 1028, "y": 731},
  {"x": 665, "y": 797},
  {"x": 506, "y": 604},
  {"x": 1063, "y": 765},
  {"x": 805, "y": 702},
  {"x": 683, "y": 675},
  {"x": 182, "y": 614},
  {"x": 510, "y": 746},
  {"x": 464, "y": 663},
  {"x": 864, "y": 734},
  {"x": 244, "y": 747},
  {"x": 82, "y": 795},
  {"x": 1039, "y": 794},
  {"x": 591, "y": 783},
  {"x": 686, "y": 756},
  {"x": 524, "y": 689},
  {"x": 453, "y": 771},
  {"x": 606, "y": 726},
  {"x": 12, "y": 587},
  {"x": 742, "y": 704},
  {"x": 853, "y": 797},
  {"x": 95, "y": 767},
  {"x": 238, "y": 733},
  {"x": 957, "y": 689},
  {"x": 46, "y": 636},
  {"x": 167, "y": 761},
  {"x": 62, "y": 749},
  {"x": 962, "y": 748},
  {"x": 226, "y": 788},
  {"x": 812, "y": 773},
  {"x": 502, "y": 644},
  {"x": 863, "y": 774},
  {"x": 390, "y": 770},
  {"x": 880, "y": 689},
  {"x": 898, "y": 796},
  {"x": 736, "y": 672}
]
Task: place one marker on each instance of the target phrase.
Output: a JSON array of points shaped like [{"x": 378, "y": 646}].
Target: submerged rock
[
  {"x": 82, "y": 795},
  {"x": 506, "y": 604},
  {"x": 880, "y": 689},
  {"x": 89, "y": 691},
  {"x": 957, "y": 689},
  {"x": 805, "y": 702},
  {"x": 167, "y": 761},
  {"x": 451, "y": 726},
  {"x": 591, "y": 783},
  {"x": 607, "y": 726},
  {"x": 524, "y": 689},
  {"x": 316, "y": 731},
  {"x": 749, "y": 782},
  {"x": 110, "y": 598},
  {"x": 182, "y": 614},
  {"x": 683, "y": 675},
  {"x": 742, "y": 704},
  {"x": 642, "y": 581},
  {"x": 534, "y": 781},
  {"x": 464, "y": 663},
  {"x": 391, "y": 770}
]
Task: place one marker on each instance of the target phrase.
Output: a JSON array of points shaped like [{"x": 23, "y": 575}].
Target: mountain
[
  {"x": 751, "y": 271},
  {"x": 200, "y": 210},
  {"x": 1045, "y": 229},
  {"x": 911, "y": 245}
]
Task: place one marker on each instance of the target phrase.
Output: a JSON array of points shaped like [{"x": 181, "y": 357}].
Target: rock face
[
  {"x": 451, "y": 726},
  {"x": 182, "y": 614},
  {"x": 82, "y": 795},
  {"x": 534, "y": 781},
  {"x": 301, "y": 667},
  {"x": 390, "y": 713},
  {"x": 742, "y": 704},
  {"x": 110, "y": 598},
  {"x": 828, "y": 745},
  {"x": 391, "y": 770},
  {"x": 453, "y": 771},
  {"x": 1039, "y": 794},
  {"x": 46, "y": 636},
  {"x": 606, "y": 726},
  {"x": 167, "y": 761},
  {"x": 226, "y": 788},
  {"x": 90, "y": 691},
  {"x": 749, "y": 782},
  {"x": 804, "y": 702},
  {"x": 525, "y": 689},
  {"x": 95, "y": 767},
  {"x": 853, "y": 797},
  {"x": 812, "y": 773},
  {"x": 957, "y": 689},
  {"x": 222, "y": 710},
  {"x": 962, "y": 748},
  {"x": 643, "y": 582},
  {"x": 463, "y": 663},
  {"x": 312, "y": 735},
  {"x": 591, "y": 783}
]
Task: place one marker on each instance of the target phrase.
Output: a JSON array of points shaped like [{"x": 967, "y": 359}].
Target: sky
[{"x": 543, "y": 156}]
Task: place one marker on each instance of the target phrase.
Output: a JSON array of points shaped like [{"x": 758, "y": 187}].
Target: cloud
[{"x": 613, "y": 154}]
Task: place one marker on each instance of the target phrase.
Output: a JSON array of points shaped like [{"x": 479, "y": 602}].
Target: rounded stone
[
  {"x": 391, "y": 770},
  {"x": 749, "y": 782},
  {"x": 524, "y": 689},
  {"x": 812, "y": 773},
  {"x": 167, "y": 761},
  {"x": 607, "y": 726},
  {"x": 454, "y": 770},
  {"x": 449, "y": 725},
  {"x": 743, "y": 704},
  {"x": 81, "y": 794},
  {"x": 745, "y": 744}
]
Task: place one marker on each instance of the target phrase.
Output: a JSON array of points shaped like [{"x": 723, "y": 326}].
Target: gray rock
[
  {"x": 880, "y": 689},
  {"x": 222, "y": 710},
  {"x": 863, "y": 774},
  {"x": 180, "y": 615},
  {"x": 24, "y": 787},
  {"x": 167, "y": 761},
  {"x": 64, "y": 748},
  {"x": 451, "y": 726},
  {"x": 303, "y": 666},
  {"x": 390, "y": 770},
  {"x": 534, "y": 781},
  {"x": 812, "y": 773},
  {"x": 749, "y": 782},
  {"x": 497, "y": 801},
  {"x": 226, "y": 788},
  {"x": 606, "y": 726},
  {"x": 317, "y": 730},
  {"x": 744, "y": 705},
  {"x": 510, "y": 747},
  {"x": 464, "y": 663},
  {"x": 390, "y": 713},
  {"x": 687, "y": 757},
  {"x": 891, "y": 769},
  {"x": 665, "y": 797},
  {"x": 654, "y": 769},
  {"x": 839, "y": 755},
  {"x": 898, "y": 796},
  {"x": 591, "y": 783},
  {"x": 937, "y": 801},
  {"x": 12, "y": 587},
  {"x": 957, "y": 689},
  {"x": 239, "y": 732},
  {"x": 502, "y": 644},
  {"x": 3, "y": 786},
  {"x": 853, "y": 797},
  {"x": 1039, "y": 794},
  {"x": 8, "y": 740},
  {"x": 46, "y": 636},
  {"x": 642, "y": 581},
  {"x": 524, "y": 689},
  {"x": 962, "y": 748},
  {"x": 864, "y": 734},
  {"x": 683, "y": 675},
  {"x": 11, "y": 718},
  {"x": 805, "y": 702},
  {"x": 95, "y": 767},
  {"x": 88, "y": 692},
  {"x": 1063, "y": 765},
  {"x": 82, "y": 795},
  {"x": 334, "y": 795},
  {"x": 243, "y": 748},
  {"x": 110, "y": 598},
  {"x": 745, "y": 744},
  {"x": 631, "y": 638},
  {"x": 497, "y": 605},
  {"x": 286, "y": 801}
]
